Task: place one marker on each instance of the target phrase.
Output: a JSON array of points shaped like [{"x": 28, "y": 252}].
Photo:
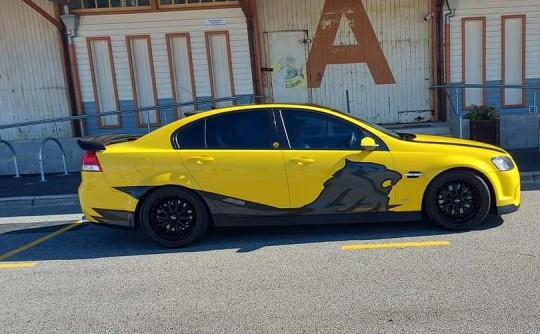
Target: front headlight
[{"x": 503, "y": 163}]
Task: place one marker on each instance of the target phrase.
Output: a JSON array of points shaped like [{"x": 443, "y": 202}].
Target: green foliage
[{"x": 483, "y": 113}]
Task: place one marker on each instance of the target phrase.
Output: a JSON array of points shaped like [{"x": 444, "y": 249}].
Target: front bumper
[{"x": 506, "y": 209}]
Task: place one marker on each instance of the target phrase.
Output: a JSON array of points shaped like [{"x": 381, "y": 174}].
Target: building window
[
  {"x": 95, "y": 5},
  {"x": 99, "y": 4},
  {"x": 218, "y": 49},
  {"x": 513, "y": 60},
  {"x": 474, "y": 60},
  {"x": 103, "y": 80},
  {"x": 190, "y": 2},
  {"x": 181, "y": 70},
  {"x": 143, "y": 79}
]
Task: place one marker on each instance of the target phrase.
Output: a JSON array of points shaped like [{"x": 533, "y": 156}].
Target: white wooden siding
[
  {"x": 493, "y": 10},
  {"x": 32, "y": 83},
  {"x": 405, "y": 41},
  {"x": 157, "y": 25}
]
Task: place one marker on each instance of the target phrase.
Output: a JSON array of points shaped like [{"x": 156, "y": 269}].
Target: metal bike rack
[
  {"x": 40, "y": 158},
  {"x": 14, "y": 157}
]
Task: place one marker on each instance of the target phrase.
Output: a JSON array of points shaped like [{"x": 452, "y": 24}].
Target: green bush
[{"x": 483, "y": 113}]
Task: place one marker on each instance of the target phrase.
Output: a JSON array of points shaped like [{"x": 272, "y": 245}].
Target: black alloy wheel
[
  {"x": 174, "y": 217},
  {"x": 458, "y": 200}
]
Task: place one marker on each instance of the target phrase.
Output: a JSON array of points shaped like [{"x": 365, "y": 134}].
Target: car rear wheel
[
  {"x": 174, "y": 217},
  {"x": 458, "y": 200}
]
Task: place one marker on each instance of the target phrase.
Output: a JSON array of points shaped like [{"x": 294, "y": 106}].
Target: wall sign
[{"x": 217, "y": 22}]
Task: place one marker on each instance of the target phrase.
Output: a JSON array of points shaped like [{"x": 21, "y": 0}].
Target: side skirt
[
  {"x": 504, "y": 210},
  {"x": 221, "y": 220}
]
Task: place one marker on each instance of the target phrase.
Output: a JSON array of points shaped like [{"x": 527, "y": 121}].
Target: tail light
[{"x": 90, "y": 162}]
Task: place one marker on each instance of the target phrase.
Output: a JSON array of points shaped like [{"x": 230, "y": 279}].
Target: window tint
[
  {"x": 239, "y": 130},
  {"x": 312, "y": 130},
  {"x": 191, "y": 135}
]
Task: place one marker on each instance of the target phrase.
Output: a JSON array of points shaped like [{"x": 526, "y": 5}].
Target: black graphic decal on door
[{"x": 357, "y": 187}]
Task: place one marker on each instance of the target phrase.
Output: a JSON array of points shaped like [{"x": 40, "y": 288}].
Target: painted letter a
[{"x": 368, "y": 50}]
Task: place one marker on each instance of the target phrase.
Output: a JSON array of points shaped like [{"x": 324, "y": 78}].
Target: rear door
[{"x": 237, "y": 166}]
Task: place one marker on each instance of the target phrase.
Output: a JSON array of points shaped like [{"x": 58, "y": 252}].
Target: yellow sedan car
[{"x": 273, "y": 164}]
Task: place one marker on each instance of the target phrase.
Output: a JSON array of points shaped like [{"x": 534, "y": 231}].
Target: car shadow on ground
[{"x": 88, "y": 241}]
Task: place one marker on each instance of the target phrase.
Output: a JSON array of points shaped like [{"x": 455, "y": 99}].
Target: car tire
[
  {"x": 458, "y": 200},
  {"x": 174, "y": 217}
]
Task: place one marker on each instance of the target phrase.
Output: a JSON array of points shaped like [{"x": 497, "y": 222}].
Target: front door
[
  {"x": 328, "y": 173},
  {"x": 287, "y": 69}
]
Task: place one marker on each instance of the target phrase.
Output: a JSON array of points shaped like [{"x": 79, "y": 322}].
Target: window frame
[
  {"x": 135, "y": 88},
  {"x": 270, "y": 122},
  {"x": 94, "y": 76},
  {"x": 154, "y": 5},
  {"x": 482, "y": 20},
  {"x": 523, "y": 59},
  {"x": 282, "y": 131}
]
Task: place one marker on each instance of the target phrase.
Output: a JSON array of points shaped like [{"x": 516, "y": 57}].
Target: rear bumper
[{"x": 105, "y": 205}]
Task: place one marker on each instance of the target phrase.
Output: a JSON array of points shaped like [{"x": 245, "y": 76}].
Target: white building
[{"x": 379, "y": 60}]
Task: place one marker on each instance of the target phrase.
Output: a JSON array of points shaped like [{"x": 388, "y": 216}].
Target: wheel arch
[
  {"x": 492, "y": 204},
  {"x": 154, "y": 189}
]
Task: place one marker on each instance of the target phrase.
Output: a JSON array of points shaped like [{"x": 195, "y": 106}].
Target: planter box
[{"x": 486, "y": 131}]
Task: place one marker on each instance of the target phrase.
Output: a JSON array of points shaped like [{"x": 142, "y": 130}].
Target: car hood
[{"x": 441, "y": 140}]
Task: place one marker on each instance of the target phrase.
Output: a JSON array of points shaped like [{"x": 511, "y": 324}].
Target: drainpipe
[
  {"x": 71, "y": 22},
  {"x": 451, "y": 13},
  {"x": 439, "y": 59},
  {"x": 447, "y": 80}
]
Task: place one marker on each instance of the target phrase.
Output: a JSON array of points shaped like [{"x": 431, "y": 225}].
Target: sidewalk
[{"x": 30, "y": 187}]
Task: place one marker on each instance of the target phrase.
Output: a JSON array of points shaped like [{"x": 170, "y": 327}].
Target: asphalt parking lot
[{"x": 62, "y": 276}]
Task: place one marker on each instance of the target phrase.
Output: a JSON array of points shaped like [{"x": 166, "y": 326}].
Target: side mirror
[{"x": 368, "y": 144}]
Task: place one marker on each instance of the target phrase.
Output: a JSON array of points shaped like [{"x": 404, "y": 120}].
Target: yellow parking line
[
  {"x": 397, "y": 245},
  {"x": 40, "y": 240},
  {"x": 17, "y": 265}
]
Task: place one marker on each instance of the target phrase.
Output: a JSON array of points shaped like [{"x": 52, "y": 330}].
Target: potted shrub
[{"x": 484, "y": 124}]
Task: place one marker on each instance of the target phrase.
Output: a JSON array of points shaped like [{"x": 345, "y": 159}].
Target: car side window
[
  {"x": 312, "y": 130},
  {"x": 239, "y": 130},
  {"x": 190, "y": 136}
]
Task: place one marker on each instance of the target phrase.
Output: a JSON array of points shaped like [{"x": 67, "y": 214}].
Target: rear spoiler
[{"x": 98, "y": 142}]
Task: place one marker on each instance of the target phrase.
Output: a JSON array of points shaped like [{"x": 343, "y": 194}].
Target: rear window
[{"x": 191, "y": 135}]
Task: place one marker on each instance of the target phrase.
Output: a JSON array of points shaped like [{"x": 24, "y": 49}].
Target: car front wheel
[
  {"x": 174, "y": 217},
  {"x": 458, "y": 200}
]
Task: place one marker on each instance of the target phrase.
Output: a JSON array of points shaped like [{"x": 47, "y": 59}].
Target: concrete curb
[
  {"x": 47, "y": 200},
  {"x": 46, "y": 220}
]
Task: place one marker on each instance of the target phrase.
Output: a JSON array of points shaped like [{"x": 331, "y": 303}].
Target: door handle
[
  {"x": 201, "y": 160},
  {"x": 302, "y": 161}
]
